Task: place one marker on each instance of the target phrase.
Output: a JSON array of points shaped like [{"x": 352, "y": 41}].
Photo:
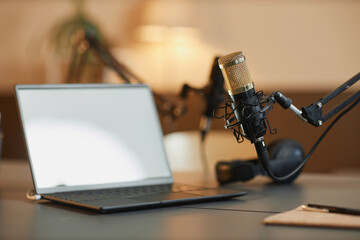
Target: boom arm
[{"x": 313, "y": 113}]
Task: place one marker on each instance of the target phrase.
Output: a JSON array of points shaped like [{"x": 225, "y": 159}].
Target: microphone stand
[
  {"x": 312, "y": 114},
  {"x": 213, "y": 94},
  {"x": 204, "y": 125},
  {"x": 87, "y": 41}
]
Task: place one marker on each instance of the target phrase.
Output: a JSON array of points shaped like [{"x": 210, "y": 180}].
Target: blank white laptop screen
[{"x": 92, "y": 135}]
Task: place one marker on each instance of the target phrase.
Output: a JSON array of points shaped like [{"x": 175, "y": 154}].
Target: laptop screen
[{"x": 86, "y": 135}]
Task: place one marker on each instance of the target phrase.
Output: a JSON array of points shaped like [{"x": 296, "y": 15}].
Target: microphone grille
[{"x": 236, "y": 73}]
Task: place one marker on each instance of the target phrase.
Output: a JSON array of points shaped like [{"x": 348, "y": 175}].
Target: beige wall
[{"x": 288, "y": 44}]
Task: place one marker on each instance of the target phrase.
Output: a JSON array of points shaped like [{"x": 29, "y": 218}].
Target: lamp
[{"x": 168, "y": 21}]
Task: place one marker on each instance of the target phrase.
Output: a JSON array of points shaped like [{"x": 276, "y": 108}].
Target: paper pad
[{"x": 316, "y": 219}]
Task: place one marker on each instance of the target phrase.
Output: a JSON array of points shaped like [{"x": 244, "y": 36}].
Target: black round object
[{"x": 286, "y": 155}]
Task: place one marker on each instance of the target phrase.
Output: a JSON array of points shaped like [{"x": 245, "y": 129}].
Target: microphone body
[
  {"x": 247, "y": 112},
  {"x": 214, "y": 95},
  {"x": 246, "y": 104},
  {"x": 214, "y": 91},
  {"x": 250, "y": 112}
]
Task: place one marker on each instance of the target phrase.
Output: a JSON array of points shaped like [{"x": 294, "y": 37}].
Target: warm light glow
[
  {"x": 164, "y": 34},
  {"x": 151, "y": 33},
  {"x": 170, "y": 45}
]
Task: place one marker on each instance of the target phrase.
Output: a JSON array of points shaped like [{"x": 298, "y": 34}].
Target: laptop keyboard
[{"x": 91, "y": 195}]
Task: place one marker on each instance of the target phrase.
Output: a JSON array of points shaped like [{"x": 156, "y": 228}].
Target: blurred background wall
[{"x": 305, "y": 48}]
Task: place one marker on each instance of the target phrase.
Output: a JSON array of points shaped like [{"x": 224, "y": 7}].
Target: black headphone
[{"x": 285, "y": 155}]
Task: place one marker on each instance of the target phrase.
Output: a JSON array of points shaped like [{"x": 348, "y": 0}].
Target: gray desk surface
[{"x": 239, "y": 218}]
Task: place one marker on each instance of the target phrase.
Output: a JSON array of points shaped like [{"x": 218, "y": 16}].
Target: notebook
[
  {"x": 100, "y": 146},
  {"x": 301, "y": 217}
]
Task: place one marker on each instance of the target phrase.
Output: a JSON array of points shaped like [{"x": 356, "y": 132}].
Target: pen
[{"x": 331, "y": 209}]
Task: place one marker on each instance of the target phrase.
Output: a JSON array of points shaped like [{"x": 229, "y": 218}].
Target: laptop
[{"x": 100, "y": 147}]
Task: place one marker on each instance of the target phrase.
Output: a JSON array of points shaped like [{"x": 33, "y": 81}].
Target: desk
[{"x": 239, "y": 218}]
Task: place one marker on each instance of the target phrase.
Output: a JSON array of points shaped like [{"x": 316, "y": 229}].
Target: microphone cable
[{"x": 264, "y": 156}]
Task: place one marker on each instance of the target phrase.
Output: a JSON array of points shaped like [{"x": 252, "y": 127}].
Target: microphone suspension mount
[{"x": 231, "y": 122}]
